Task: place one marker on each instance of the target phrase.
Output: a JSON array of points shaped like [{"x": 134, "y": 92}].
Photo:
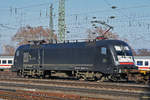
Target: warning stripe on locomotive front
[{"x": 126, "y": 63}]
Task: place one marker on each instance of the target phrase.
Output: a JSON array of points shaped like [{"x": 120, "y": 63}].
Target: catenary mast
[
  {"x": 51, "y": 22},
  {"x": 61, "y": 20}
]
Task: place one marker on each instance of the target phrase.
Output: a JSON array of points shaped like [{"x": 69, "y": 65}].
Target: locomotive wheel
[
  {"x": 102, "y": 79},
  {"x": 19, "y": 74},
  {"x": 147, "y": 82},
  {"x": 82, "y": 78},
  {"x": 113, "y": 78}
]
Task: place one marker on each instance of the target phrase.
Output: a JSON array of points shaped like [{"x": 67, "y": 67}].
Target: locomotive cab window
[
  {"x": 104, "y": 50},
  {"x": 123, "y": 50},
  {"x": 17, "y": 53},
  {"x": 0, "y": 61}
]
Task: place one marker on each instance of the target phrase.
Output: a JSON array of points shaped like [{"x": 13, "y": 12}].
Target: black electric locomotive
[{"x": 98, "y": 60}]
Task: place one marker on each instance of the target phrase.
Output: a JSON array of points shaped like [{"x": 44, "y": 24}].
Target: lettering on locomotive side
[{"x": 81, "y": 68}]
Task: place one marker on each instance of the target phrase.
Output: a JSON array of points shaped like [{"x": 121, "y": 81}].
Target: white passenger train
[
  {"x": 143, "y": 62},
  {"x": 6, "y": 62}
]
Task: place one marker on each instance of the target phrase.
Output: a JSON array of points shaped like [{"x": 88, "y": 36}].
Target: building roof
[
  {"x": 6, "y": 56},
  {"x": 142, "y": 57}
]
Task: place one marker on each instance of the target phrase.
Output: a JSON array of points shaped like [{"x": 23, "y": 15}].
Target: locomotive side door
[
  {"x": 104, "y": 59},
  {"x": 41, "y": 57},
  {"x": 32, "y": 58}
]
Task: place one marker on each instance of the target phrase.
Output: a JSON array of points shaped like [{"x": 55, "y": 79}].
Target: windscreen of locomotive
[{"x": 123, "y": 50}]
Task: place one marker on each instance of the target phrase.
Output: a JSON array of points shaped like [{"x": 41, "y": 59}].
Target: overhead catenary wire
[
  {"x": 28, "y": 6},
  {"x": 85, "y": 21},
  {"x": 83, "y": 13}
]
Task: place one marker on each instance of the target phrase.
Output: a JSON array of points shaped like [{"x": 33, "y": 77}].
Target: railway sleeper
[{"x": 139, "y": 78}]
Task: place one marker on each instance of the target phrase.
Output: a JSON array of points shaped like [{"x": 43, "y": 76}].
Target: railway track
[
  {"x": 106, "y": 90},
  {"x": 13, "y": 94},
  {"x": 80, "y": 84},
  {"x": 24, "y": 95},
  {"x": 82, "y": 88},
  {"x": 7, "y": 74}
]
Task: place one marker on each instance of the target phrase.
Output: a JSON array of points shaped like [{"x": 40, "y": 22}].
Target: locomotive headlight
[
  {"x": 117, "y": 62},
  {"x": 119, "y": 70}
]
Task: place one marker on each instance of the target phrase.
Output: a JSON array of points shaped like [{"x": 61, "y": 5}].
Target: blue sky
[{"x": 132, "y": 18}]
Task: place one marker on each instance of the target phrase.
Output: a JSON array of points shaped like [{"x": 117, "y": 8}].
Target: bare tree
[
  {"x": 8, "y": 50},
  {"x": 134, "y": 52},
  {"x": 143, "y": 52},
  {"x": 28, "y": 33}
]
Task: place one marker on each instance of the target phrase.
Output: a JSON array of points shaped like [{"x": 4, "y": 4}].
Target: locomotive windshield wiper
[{"x": 123, "y": 52}]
